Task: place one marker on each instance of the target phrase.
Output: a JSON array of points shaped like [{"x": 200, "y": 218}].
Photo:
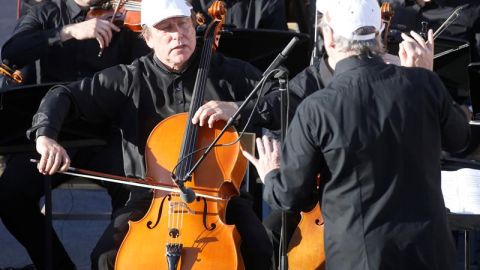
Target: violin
[
  {"x": 124, "y": 13},
  {"x": 120, "y": 12},
  {"x": 14, "y": 75},
  {"x": 387, "y": 15},
  {"x": 184, "y": 234}
]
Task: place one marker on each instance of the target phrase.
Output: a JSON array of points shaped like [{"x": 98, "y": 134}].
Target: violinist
[
  {"x": 374, "y": 134},
  {"x": 67, "y": 44},
  {"x": 138, "y": 96}
]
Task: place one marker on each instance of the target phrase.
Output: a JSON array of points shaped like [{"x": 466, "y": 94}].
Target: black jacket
[{"x": 374, "y": 135}]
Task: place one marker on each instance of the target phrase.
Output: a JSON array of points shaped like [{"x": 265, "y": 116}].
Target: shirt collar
[
  {"x": 353, "y": 62},
  {"x": 326, "y": 72},
  {"x": 162, "y": 66},
  {"x": 74, "y": 9}
]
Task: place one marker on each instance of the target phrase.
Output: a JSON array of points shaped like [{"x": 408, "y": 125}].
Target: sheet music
[{"x": 461, "y": 190}]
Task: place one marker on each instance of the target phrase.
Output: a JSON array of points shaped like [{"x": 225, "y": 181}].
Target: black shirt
[
  {"x": 374, "y": 135},
  {"x": 37, "y": 36},
  {"x": 313, "y": 78},
  {"x": 136, "y": 97}
]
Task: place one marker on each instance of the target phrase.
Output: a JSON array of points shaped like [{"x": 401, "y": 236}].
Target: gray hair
[{"x": 357, "y": 47}]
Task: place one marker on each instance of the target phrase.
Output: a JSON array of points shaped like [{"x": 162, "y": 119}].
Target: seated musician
[
  {"x": 366, "y": 133},
  {"x": 67, "y": 43},
  {"x": 135, "y": 98},
  {"x": 250, "y": 14}
]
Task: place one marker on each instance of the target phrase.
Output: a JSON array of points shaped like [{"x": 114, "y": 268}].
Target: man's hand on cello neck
[{"x": 213, "y": 111}]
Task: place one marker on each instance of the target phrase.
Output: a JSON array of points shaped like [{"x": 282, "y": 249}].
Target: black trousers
[
  {"x": 256, "y": 248},
  {"x": 273, "y": 225},
  {"x": 21, "y": 187}
]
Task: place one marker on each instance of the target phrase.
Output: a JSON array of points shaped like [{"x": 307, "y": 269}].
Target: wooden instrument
[
  {"x": 175, "y": 234},
  {"x": 387, "y": 15},
  {"x": 121, "y": 12},
  {"x": 306, "y": 249},
  {"x": 14, "y": 75}
]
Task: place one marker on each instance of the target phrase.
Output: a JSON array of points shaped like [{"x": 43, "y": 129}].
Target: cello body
[
  {"x": 196, "y": 230},
  {"x": 306, "y": 249}
]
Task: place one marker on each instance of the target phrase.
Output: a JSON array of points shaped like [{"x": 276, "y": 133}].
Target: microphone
[
  {"x": 186, "y": 194},
  {"x": 281, "y": 56}
]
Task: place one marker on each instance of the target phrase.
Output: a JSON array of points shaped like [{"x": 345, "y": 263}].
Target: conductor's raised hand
[
  {"x": 414, "y": 51},
  {"x": 95, "y": 28},
  {"x": 269, "y": 152},
  {"x": 54, "y": 158},
  {"x": 213, "y": 111}
]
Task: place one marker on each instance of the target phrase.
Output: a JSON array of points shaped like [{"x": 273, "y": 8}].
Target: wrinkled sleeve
[
  {"x": 96, "y": 100},
  {"x": 293, "y": 186},
  {"x": 31, "y": 39},
  {"x": 264, "y": 112},
  {"x": 454, "y": 125}
]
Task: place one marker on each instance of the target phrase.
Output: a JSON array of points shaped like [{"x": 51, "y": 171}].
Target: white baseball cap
[
  {"x": 155, "y": 11},
  {"x": 346, "y": 16}
]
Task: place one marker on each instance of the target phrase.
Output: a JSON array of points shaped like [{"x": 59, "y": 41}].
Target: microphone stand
[
  {"x": 282, "y": 77},
  {"x": 275, "y": 63},
  {"x": 227, "y": 125}
]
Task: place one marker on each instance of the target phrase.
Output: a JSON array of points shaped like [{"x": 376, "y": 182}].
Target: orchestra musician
[
  {"x": 374, "y": 134},
  {"x": 67, "y": 44},
  {"x": 138, "y": 96}
]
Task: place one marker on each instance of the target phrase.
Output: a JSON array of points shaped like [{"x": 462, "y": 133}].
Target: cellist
[
  {"x": 138, "y": 96},
  {"x": 374, "y": 134}
]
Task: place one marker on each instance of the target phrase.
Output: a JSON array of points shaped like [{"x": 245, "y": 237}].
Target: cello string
[
  {"x": 169, "y": 222},
  {"x": 190, "y": 140},
  {"x": 177, "y": 219},
  {"x": 181, "y": 226},
  {"x": 263, "y": 82}
]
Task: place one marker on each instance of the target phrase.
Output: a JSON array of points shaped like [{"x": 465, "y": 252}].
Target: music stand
[
  {"x": 260, "y": 47},
  {"x": 463, "y": 222}
]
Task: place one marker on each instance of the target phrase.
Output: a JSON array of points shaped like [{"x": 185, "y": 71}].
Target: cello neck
[{"x": 190, "y": 138}]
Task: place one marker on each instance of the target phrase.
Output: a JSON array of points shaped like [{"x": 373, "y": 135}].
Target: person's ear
[
  {"x": 328, "y": 40},
  {"x": 147, "y": 37}
]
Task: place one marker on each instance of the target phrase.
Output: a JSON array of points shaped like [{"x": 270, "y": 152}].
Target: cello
[
  {"x": 306, "y": 248},
  {"x": 175, "y": 234}
]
